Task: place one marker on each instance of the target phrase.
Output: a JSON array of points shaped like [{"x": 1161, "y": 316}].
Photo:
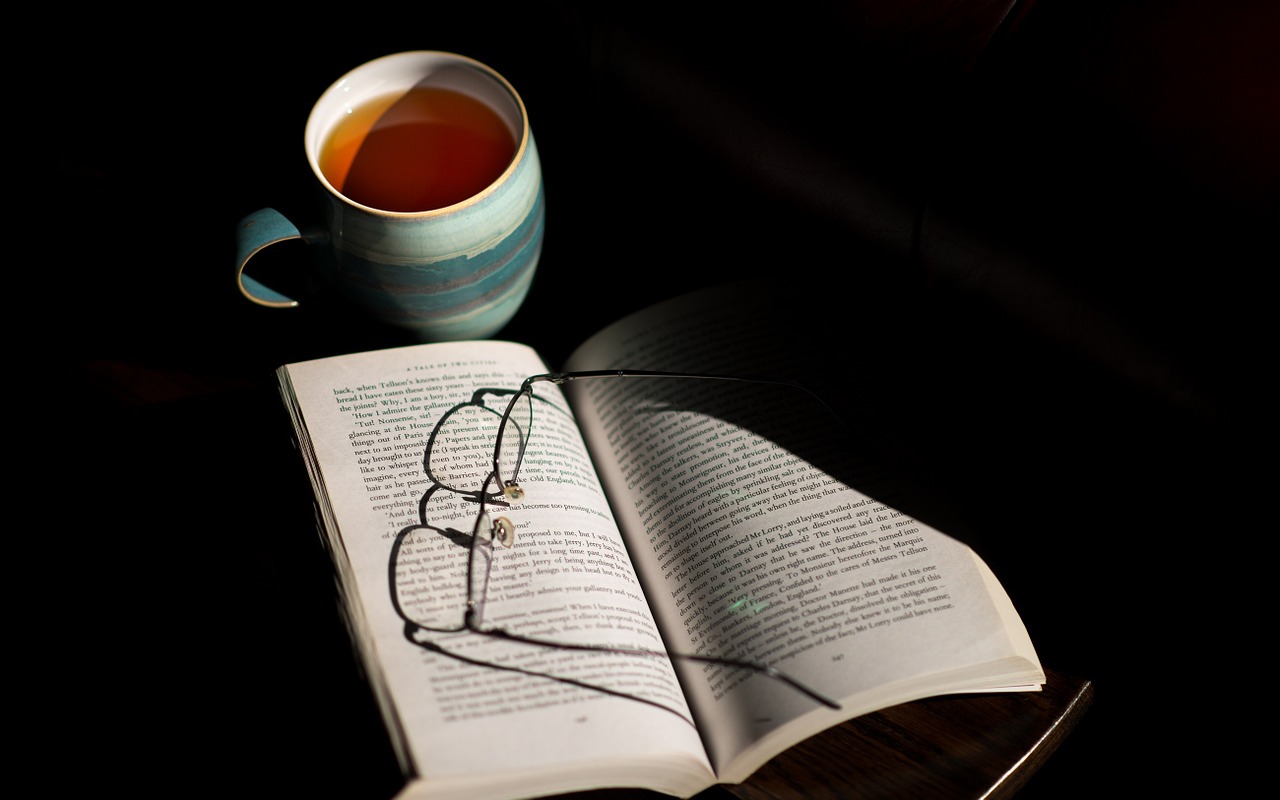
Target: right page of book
[{"x": 758, "y": 515}]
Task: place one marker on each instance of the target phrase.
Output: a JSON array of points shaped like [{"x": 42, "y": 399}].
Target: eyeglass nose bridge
[
  {"x": 502, "y": 531},
  {"x": 496, "y": 529}
]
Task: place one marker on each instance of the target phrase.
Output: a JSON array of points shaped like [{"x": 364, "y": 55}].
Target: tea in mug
[{"x": 428, "y": 148}]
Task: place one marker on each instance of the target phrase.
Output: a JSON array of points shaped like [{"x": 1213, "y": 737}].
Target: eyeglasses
[{"x": 473, "y": 467}]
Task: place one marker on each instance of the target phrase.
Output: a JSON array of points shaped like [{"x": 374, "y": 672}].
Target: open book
[{"x": 692, "y": 576}]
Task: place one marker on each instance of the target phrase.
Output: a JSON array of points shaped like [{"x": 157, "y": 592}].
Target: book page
[
  {"x": 755, "y": 520},
  {"x": 399, "y": 443}
]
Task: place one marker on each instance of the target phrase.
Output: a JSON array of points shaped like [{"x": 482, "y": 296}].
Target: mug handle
[{"x": 260, "y": 230}]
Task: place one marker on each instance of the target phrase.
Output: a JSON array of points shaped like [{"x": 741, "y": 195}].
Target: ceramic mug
[{"x": 454, "y": 271}]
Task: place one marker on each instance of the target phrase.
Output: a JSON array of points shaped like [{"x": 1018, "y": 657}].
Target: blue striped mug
[{"x": 458, "y": 267}]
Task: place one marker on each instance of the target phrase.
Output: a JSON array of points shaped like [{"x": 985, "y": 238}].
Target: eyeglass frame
[{"x": 503, "y": 530}]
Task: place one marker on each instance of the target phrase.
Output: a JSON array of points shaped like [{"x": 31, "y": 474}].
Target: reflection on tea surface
[{"x": 428, "y": 148}]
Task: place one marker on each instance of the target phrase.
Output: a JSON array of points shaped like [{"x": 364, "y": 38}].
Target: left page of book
[{"x": 397, "y": 443}]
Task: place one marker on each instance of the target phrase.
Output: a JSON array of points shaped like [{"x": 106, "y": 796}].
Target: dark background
[{"x": 1052, "y": 221}]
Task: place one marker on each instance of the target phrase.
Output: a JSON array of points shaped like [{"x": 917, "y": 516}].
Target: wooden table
[
  {"x": 979, "y": 746},
  {"x": 947, "y": 748}
]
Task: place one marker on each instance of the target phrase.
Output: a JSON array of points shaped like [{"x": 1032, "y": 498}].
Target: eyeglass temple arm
[
  {"x": 559, "y": 378},
  {"x": 565, "y": 377}
]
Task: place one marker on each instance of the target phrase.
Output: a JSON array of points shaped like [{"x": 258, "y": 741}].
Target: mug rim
[{"x": 316, "y": 129}]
